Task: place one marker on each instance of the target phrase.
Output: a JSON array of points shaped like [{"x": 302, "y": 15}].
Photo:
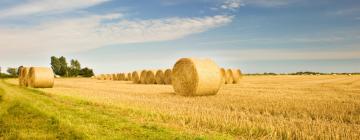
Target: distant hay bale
[
  {"x": 150, "y": 77},
  {"x": 25, "y": 76},
  {"x": 102, "y": 77},
  {"x": 129, "y": 77},
  {"x": 143, "y": 76},
  {"x": 160, "y": 77},
  {"x": 118, "y": 76},
  {"x": 125, "y": 76},
  {"x": 41, "y": 77},
  {"x": 194, "y": 77},
  {"x": 108, "y": 77},
  {"x": 114, "y": 77},
  {"x": 136, "y": 77},
  {"x": 236, "y": 75},
  {"x": 20, "y": 77},
  {"x": 122, "y": 77},
  {"x": 167, "y": 76},
  {"x": 229, "y": 79},
  {"x": 223, "y": 75}
]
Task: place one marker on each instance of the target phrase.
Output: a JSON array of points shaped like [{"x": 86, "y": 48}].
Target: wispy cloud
[
  {"x": 232, "y": 4},
  {"x": 91, "y": 32},
  {"x": 47, "y": 6}
]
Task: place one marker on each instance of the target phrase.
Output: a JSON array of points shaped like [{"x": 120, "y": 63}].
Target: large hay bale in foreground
[
  {"x": 136, "y": 77},
  {"x": 236, "y": 75},
  {"x": 143, "y": 76},
  {"x": 194, "y": 77},
  {"x": 160, "y": 77},
  {"x": 167, "y": 76},
  {"x": 20, "y": 77},
  {"x": 41, "y": 77},
  {"x": 150, "y": 77}
]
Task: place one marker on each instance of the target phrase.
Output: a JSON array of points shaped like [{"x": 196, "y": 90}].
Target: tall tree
[
  {"x": 63, "y": 66},
  {"x": 55, "y": 65}
]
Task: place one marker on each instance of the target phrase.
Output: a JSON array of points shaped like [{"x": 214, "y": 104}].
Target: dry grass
[{"x": 271, "y": 107}]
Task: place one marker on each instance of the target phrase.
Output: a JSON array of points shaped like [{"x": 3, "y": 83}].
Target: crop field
[{"x": 260, "y": 107}]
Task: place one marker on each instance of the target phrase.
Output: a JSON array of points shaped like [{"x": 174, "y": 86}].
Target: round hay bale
[
  {"x": 41, "y": 77},
  {"x": 122, "y": 77},
  {"x": 160, "y": 77},
  {"x": 125, "y": 76},
  {"x": 223, "y": 75},
  {"x": 108, "y": 77},
  {"x": 20, "y": 77},
  {"x": 114, "y": 77},
  {"x": 196, "y": 77},
  {"x": 236, "y": 75},
  {"x": 167, "y": 76},
  {"x": 228, "y": 77},
  {"x": 102, "y": 77},
  {"x": 143, "y": 76},
  {"x": 150, "y": 77},
  {"x": 25, "y": 75},
  {"x": 118, "y": 76},
  {"x": 129, "y": 78},
  {"x": 136, "y": 77}
]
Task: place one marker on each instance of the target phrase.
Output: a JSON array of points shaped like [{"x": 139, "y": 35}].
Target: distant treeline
[
  {"x": 61, "y": 68},
  {"x": 304, "y": 73}
]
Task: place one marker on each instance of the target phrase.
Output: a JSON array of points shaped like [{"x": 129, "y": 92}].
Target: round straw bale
[
  {"x": 228, "y": 77},
  {"x": 136, "y": 77},
  {"x": 223, "y": 75},
  {"x": 160, "y": 77},
  {"x": 236, "y": 75},
  {"x": 41, "y": 77},
  {"x": 20, "y": 77},
  {"x": 129, "y": 76},
  {"x": 125, "y": 76},
  {"x": 194, "y": 77},
  {"x": 114, "y": 77},
  {"x": 167, "y": 76},
  {"x": 143, "y": 76},
  {"x": 108, "y": 77},
  {"x": 150, "y": 77},
  {"x": 25, "y": 76}
]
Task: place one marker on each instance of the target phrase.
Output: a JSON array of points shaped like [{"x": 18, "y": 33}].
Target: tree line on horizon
[{"x": 61, "y": 68}]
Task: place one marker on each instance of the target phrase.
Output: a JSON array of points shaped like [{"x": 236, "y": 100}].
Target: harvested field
[{"x": 270, "y": 107}]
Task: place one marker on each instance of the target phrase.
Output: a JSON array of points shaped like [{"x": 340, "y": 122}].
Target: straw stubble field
[{"x": 270, "y": 107}]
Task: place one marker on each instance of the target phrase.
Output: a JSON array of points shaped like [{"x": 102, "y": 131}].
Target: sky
[{"x": 114, "y": 36}]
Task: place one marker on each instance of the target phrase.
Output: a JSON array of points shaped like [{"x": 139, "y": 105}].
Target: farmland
[{"x": 270, "y": 107}]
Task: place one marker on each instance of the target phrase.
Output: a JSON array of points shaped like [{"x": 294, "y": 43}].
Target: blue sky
[{"x": 124, "y": 35}]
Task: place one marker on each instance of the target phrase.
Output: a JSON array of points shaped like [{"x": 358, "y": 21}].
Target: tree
[
  {"x": 55, "y": 65},
  {"x": 86, "y": 72},
  {"x": 63, "y": 67},
  {"x": 12, "y": 71},
  {"x": 74, "y": 68}
]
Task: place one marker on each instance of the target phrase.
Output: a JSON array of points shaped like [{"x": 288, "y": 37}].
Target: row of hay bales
[
  {"x": 115, "y": 77},
  {"x": 36, "y": 77},
  {"x": 140, "y": 77},
  {"x": 189, "y": 77}
]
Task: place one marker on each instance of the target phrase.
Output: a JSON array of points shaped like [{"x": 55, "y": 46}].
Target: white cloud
[
  {"x": 92, "y": 32},
  {"x": 232, "y": 4},
  {"x": 47, "y": 6}
]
